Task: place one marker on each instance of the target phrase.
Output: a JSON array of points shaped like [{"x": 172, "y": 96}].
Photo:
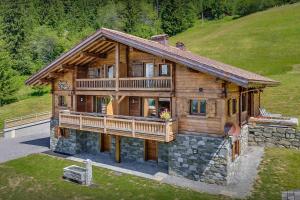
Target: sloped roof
[{"x": 223, "y": 71}]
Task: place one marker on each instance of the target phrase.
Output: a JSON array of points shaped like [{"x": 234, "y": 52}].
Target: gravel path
[{"x": 30, "y": 140}]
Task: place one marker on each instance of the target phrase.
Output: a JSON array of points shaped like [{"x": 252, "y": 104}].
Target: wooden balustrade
[
  {"x": 144, "y": 83},
  {"x": 136, "y": 127},
  {"x": 96, "y": 84},
  {"x": 133, "y": 83}
]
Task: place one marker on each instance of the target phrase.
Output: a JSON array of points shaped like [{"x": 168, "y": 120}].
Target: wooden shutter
[
  {"x": 211, "y": 108},
  {"x": 56, "y": 102},
  {"x": 233, "y": 151}
]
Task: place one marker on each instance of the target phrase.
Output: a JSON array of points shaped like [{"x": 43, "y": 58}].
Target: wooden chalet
[{"x": 118, "y": 85}]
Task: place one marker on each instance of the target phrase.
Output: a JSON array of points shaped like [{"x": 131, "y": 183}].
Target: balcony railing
[
  {"x": 133, "y": 83},
  {"x": 96, "y": 84},
  {"x": 144, "y": 83},
  {"x": 135, "y": 127}
]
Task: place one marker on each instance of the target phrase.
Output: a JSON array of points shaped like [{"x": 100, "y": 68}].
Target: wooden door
[
  {"x": 135, "y": 106},
  {"x": 150, "y": 150},
  {"x": 81, "y": 103},
  {"x": 105, "y": 142}
]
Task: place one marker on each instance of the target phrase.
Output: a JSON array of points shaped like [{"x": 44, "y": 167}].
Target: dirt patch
[
  {"x": 295, "y": 70},
  {"x": 15, "y": 182}
]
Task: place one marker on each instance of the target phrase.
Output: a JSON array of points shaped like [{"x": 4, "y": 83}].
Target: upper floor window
[
  {"x": 164, "y": 70},
  {"x": 198, "y": 107},
  {"x": 62, "y": 101},
  {"x": 234, "y": 105},
  {"x": 149, "y": 70},
  {"x": 244, "y": 102},
  {"x": 110, "y": 71}
]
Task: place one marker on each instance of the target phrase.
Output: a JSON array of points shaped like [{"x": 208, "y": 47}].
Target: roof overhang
[{"x": 244, "y": 82}]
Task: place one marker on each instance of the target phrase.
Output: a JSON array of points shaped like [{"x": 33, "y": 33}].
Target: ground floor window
[
  {"x": 198, "y": 107},
  {"x": 62, "y": 102},
  {"x": 62, "y": 132}
]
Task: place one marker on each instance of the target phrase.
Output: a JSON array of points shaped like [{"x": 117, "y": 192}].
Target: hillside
[{"x": 267, "y": 43}]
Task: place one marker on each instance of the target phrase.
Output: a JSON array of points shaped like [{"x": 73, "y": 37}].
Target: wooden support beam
[
  {"x": 54, "y": 74},
  {"x": 118, "y": 149},
  {"x": 94, "y": 55},
  {"x": 121, "y": 99},
  {"x": 68, "y": 67},
  {"x": 117, "y": 61}
]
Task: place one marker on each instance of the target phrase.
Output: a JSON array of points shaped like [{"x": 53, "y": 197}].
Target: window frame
[
  {"x": 168, "y": 68},
  {"x": 244, "y": 102},
  {"x": 199, "y": 104},
  {"x": 234, "y": 106},
  {"x": 62, "y": 101}
]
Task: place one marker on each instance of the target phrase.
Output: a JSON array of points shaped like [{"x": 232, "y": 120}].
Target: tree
[
  {"x": 177, "y": 16},
  {"x": 8, "y": 85},
  {"x": 13, "y": 27}
]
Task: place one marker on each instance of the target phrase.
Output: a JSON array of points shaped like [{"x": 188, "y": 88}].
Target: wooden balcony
[
  {"x": 96, "y": 84},
  {"x": 135, "y": 127},
  {"x": 133, "y": 83}
]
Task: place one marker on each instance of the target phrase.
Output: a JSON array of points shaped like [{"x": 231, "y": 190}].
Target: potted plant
[
  {"x": 105, "y": 102},
  {"x": 165, "y": 115}
]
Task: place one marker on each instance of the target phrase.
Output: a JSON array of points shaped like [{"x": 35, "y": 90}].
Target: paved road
[{"x": 30, "y": 140}]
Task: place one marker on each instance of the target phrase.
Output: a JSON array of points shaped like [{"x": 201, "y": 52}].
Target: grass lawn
[
  {"x": 279, "y": 172},
  {"x": 39, "y": 177},
  {"x": 34, "y": 104},
  {"x": 265, "y": 42}
]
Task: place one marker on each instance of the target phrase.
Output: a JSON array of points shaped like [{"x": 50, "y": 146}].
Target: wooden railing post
[
  {"x": 59, "y": 118},
  {"x": 80, "y": 122},
  {"x": 133, "y": 127},
  {"x": 104, "y": 122},
  {"x": 167, "y": 131}
]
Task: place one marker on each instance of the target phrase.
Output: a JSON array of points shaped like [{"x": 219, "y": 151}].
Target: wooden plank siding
[{"x": 186, "y": 85}]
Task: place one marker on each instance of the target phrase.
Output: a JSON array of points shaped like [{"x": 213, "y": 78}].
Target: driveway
[{"x": 29, "y": 140}]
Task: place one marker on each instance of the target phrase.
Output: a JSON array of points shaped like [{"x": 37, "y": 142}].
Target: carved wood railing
[
  {"x": 96, "y": 84},
  {"x": 133, "y": 83},
  {"x": 136, "y": 127},
  {"x": 144, "y": 83}
]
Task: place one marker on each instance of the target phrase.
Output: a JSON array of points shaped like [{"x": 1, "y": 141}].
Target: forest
[{"x": 35, "y": 32}]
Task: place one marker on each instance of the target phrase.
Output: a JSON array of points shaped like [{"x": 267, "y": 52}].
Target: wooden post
[
  {"x": 117, "y": 60},
  {"x": 80, "y": 121},
  {"x": 133, "y": 128},
  {"x": 167, "y": 131},
  {"x": 104, "y": 123},
  {"x": 118, "y": 149}
]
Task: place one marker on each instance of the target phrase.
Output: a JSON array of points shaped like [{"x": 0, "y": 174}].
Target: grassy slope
[
  {"x": 266, "y": 43},
  {"x": 25, "y": 107},
  {"x": 279, "y": 172},
  {"x": 25, "y": 179}
]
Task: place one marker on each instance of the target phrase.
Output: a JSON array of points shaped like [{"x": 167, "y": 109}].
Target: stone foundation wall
[
  {"x": 132, "y": 149},
  {"x": 163, "y": 155},
  {"x": 61, "y": 144},
  {"x": 199, "y": 157},
  {"x": 270, "y": 136}
]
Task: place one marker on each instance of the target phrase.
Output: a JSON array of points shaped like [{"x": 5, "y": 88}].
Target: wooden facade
[{"x": 140, "y": 84}]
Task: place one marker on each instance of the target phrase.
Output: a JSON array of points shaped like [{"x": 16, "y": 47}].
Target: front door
[
  {"x": 105, "y": 142},
  {"x": 81, "y": 103},
  {"x": 150, "y": 150},
  {"x": 135, "y": 106}
]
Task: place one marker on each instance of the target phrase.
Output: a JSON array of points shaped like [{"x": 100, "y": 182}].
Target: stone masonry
[{"x": 271, "y": 136}]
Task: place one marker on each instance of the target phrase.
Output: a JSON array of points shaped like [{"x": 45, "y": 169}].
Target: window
[
  {"x": 234, "y": 104},
  {"x": 229, "y": 109},
  {"x": 62, "y": 132},
  {"x": 149, "y": 70},
  {"x": 198, "y": 107},
  {"x": 98, "y": 72},
  {"x": 164, "y": 70},
  {"x": 62, "y": 101},
  {"x": 244, "y": 102},
  {"x": 97, "y": 104},
  {"x": 110, "y": 72}
]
